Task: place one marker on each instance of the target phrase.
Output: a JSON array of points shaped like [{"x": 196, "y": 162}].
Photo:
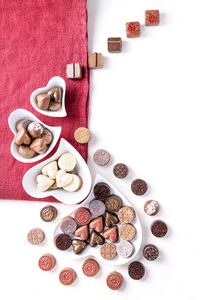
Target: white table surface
[{"x": 144, "y": 109}]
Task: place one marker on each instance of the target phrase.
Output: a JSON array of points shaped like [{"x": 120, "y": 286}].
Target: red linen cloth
[{"x": 37, "y": 39}]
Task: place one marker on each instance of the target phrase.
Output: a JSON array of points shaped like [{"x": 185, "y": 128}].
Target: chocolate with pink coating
[{"x": 82, "y": 216}]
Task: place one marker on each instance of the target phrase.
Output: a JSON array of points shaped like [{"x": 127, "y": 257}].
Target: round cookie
[
  {"x": 82, "y": 135},
  {"x": 90, "y": 267},
  {"x": 126, "y": 214},
  {"x": 67, "y": 276},
  {"x": 101, "y": 191},
  {"x": 62, "y": 241},
  {"x": 125, "y": 249},
  {"x": 136, "y": 270},
  {"x": 97, "y": 208},
  {"x": 68, "y": 225},
  {"x": 113, "y": 203},
  {"x": 159, "y": 228},
  {"x": 151, "y": 207},
  {"x": 48, "y": 213},
  {"x": 108, "y": 251},
  {"x": 114, "y": 280},
  {"x": 150, "y": 252},
  {"x": 47, "y": 262},
  {"x": 35, "y": 236},
  {"x": 120, "y": 170},
  {"x": 139, "y": 187},
  {"x": 101, "y": 157},
  {"x": 82, "y": 216},
  {"x": 127, "y": 232}
]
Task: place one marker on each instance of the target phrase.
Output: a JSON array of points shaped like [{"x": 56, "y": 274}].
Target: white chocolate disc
[
  {"x": 75, "y": 185},
  {"x": 50, "y": 169},
  {"x": 67, "y": 162}
]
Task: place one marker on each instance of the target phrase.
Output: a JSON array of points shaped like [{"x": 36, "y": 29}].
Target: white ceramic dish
[
  {"x": 20, "y": 114},
  {"x": 95, "y": 251},
  {"x": 54, "y": 81},
  {"x": 30, "y": 185}
]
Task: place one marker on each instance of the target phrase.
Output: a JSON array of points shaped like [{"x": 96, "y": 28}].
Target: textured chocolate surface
[
  {"x": 114, "y": 45},
  {"x": 120, "y": 170},
  {"x": 113, "y": 203},
  {"x": 139, "y": 187},
  {"x": 62, "y": 241},
  {"x": 136, "y": 270},
  {"x": 101, "y": 191},
  {"x": 150, "y": 252},
  {"x": 159, "y": 228},
  {"x": 48, "y": 213}
]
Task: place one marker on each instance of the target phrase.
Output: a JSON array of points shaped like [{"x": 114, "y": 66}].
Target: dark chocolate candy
[
  {"x": 101, "y": 191},
  {"x": 114, "y": 45},
  {"x": 136, "y": 270},
  {"x": 111, "y": 219},
  {"x": 74, "y": 71},
  {"x": 139, "y": 187},
  {"x": 78, "y": 246},
  {"x": 113, "y": 203},
  {"x": 150, "y": 252},
  {"x": 62, "y": 241},
  {"x": 159, "y": 228},
  {"x": 120, "y": 170},
  {"x": 96, "y": 239}
]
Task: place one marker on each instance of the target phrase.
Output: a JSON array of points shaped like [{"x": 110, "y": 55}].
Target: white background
[{"x": 144, "y": 109}]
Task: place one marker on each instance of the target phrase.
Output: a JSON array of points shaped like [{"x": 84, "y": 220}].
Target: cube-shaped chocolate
[
  {"x": 132, "y": 29},
  {"x": 95, "y": 60},
  {"x": 114, "y": 45},
  {"x": 74, "y": 71},
  {"x": 152, "y": 17}
]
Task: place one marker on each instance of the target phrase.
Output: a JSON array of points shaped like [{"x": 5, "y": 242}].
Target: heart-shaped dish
[
  {"x": 20, "y": 114},
  {"x": 95, "y": 251},
  {"x": 30, "y": 184},
  {"x": 53, "y": 82}
]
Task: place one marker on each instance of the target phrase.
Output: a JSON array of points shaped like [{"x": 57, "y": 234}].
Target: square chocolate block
[
  {"x": 132, "y": 29},
  {"x": 95, "y": 60},
  {"x": 152, "y": 17},
  {"x": 114, "y": 45},
  {"x": 74, "y": 71}
]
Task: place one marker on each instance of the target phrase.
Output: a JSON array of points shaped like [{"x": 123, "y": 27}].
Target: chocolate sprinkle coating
[
  {"x": 48, "y": 213},
  {"x": 113, "y": 203},
  {"x": 150, "y": 252},
  {"x": 120, "y": 170},
  {"x": 62, "y": 241},
  {"x": 139, "y": 187},
  {"x": 101, "y": 191},
  {"x": 136, "y": 270},
  {"x": 159, "y": 228}
]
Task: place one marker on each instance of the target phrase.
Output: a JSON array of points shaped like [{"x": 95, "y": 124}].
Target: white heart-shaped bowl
[
  {"x": 30, "y": 184},
  {"x": 54, "y": 81},
  {"x": 95, "y": 251},
  {"x": 20, "y": 114}
]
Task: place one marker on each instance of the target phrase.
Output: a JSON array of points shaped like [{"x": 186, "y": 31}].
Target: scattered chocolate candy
[
  {"x": 62, "y": 241},
  {"x": 48, "y": 213},
  {"x": 150, "y": 252},
  {"x": 95, "y": 60},
  {"x": 110, "y": 219},
  {"x": 35, "y": 236},
  {"x": 74, "y": 71},
  {"x": 132, "y": 29},
  {"x": 101, "y": 157},
  {"x": 113, "y": 203},
  {"x": 90, "y": 267},
  {"x": 159, "y": 228},
  {"x": 114, "y": 45},
  {"x": 47, "y": 262},
  {"x": 111, "y": 234},
  {"x": 78, "y": 246},
  {"x": 126, "y": 214},
  {"x": 82, "y": 232},
  {"x": 97, "y": 208},
  {"x": 152, "y": 17},
  {"x": 114, "y": 280},
  {"x": 96, "y": 239},
  {"x": 82, "y": 135},
  {"x": 26, "y": 151},
  {"x": 120, "y": 170},
  {"x": 101, "y": 191},
  {"x": 127, "y": 232},
  {"x": 68, "y": 225},
  {"x": 97, "y": 224},
  {"x": 139, "y": 187},
  {"x": 136, "y": 270},
  {"x": 82, "y": 216},
  {"x": 67, "y": 276},
  {"x": 151, "y": 207},
  {"x": 125, "y": 249},
  {"x": 108, "y": 251}
]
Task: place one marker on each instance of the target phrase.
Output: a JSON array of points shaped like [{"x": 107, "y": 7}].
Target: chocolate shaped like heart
[
  {"x": 97, "y": 224},
  {"x": 78, "y": 246},
  {"x": 56, "y": 94},
  {"x": 96, "y": 239},
  {"x": 82, "y": 232},
  {"x": 43, "y": 101},
  {"x": 111, "y": 219},
  {"x": 111, "y": 234}
]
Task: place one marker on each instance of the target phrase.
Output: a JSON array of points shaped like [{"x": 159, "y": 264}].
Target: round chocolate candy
[
  {"x": 68, "y": 225},
  {"x": 101, "y": 157},
  {"x": 127, "y": 232},
  {"x": 97, "y": 208},
  {"x": 101, "y": 191},
  {"x": 62, "y": 241},
  {"x": 47, "y": 262},
  {"x": 82, "y": 135},
  {"x": 35, "y": 129},
  {"x": 82, "y": 216},
  {"x": 136, "y": 270},
  {"x": 139, "y": 187},
  {"x": 35, "y": 236},
  {"x": 151, "y": 207},
  {"x": 159, "y": 228},
  {"x": 48, "y": 213},
  {"x": 114, "y": 280},
  {"x": 126, "y": 214},
  {"x": 67, "y": 276},
  {"x": 90, "y": 267},
  {"x": 120, "y": 170},
  {"x": 150, "y": 252},
  {"x": 125, "y": 249},
  {"x": 108, "y": 251},
  {"x": 113, "y": 203}
]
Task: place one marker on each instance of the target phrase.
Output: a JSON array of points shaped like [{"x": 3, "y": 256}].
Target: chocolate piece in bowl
[
  {"x": 97, "y": 224},
  {"x": 54, "y": 106},
  {"x": 26, "y": 151},
  {"x": 39, "y": 146},
  {"x": 111, "y": 234},
  {"x": 114, "y": 44},
  {"x": 47, "y": 135},
  {"x": 132, "y": 29},
  {"x": 75, "y": 185},
  {"x": 125, "y": 249},
  {"x": 78, "y": 246},
  {"x": 126, "y": 214},
  {"x": 95, "y": 60},
  {"x": 82, "y": 232},
  {"x": 23, "y": 124},
  {"x": 108, "y": 251},
  {"x": 152, "y": 17},
  {"x": 50, "y": 169},
  {"x": 82, "y": 216},
  {"x": 43, "y": 101},
  {"x": 113, "y": 203},
  {"x": 68, "y": 225},
  {"x": 96, "y": 239},
  {"x": 35, "y": 129},
  {"x": 74, "y": 71},
  {"x": 127, "y": 232},
  {"x": 101, "y": 191},
  {"x": 67, "y": 162},
  {"x": 111, "y": 219},
  {"x": 97, "y": 207},
  {"x": 22, "y": 137},
  {"x": 56, "y": 94},
  {"x": 44, "y": 182}
]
